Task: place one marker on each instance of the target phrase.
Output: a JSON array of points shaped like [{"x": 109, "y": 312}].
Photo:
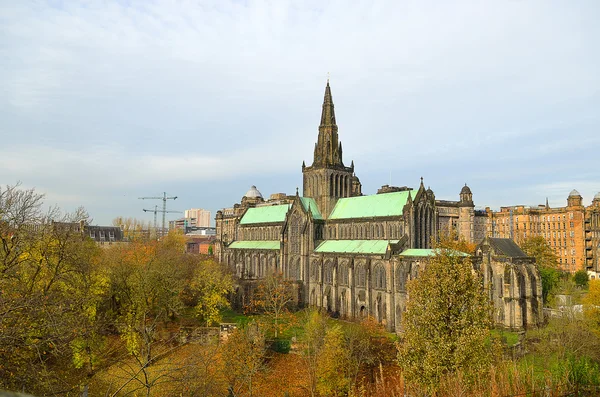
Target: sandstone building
[
  {"x": 350, "y": 254},
  {"x": 573, "y": 231}
]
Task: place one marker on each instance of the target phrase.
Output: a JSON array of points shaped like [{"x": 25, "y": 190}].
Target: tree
[
  {"x": 209, "y": 290},
  {"x": 581, "y": 278},
  {"x": 591, "y": 306},
  {"x": 274, "y": 297},
  {"x": 51, "y": 288},
  {"x": 547, "y": 262},
  {"x": 333, "y": 366},
  {"x": 369, "y": 346},
  {"x": 146, "y": 281},
  {"x": 447, "y": 322},
  {"x": 312, "y": 339},
  {"x": 243, "y": 357}
]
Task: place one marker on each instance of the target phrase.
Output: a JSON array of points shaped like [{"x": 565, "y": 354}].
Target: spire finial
[
  {"x": 328, "y": 76},
  {"x": 296, "y": 190}
]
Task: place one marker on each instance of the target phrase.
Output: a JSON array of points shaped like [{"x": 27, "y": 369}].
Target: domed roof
[
  {"x": 597, "y": 196},
  {"x": 465, "y": 190},
  {"x": 574, "y": 193},
  {"x": 253, "y": 193}
]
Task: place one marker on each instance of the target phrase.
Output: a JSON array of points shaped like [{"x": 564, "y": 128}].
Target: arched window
[
  {"x": 295, "y": 235},
  {"x": 328, "y": 273},
  {"x": 315, "y": 270},
  {"x": 400, "y": 278},
  {"x": 343, "y": 274},
  {"x": 379, "y": 277},
  {"x": 360, "y": 275}
]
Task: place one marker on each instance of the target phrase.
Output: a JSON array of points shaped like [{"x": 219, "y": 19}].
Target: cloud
[{"x": 98, "y": 96}]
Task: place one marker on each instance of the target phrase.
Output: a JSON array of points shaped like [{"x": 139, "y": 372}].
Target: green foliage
[
  {"x": 446, "y": 324},
  {"x": 547, "y": 262},
  {"x": 334, "y": 360},
  {"x": 280, "y": 345},
  {"x": 210, "y": 287},
  {"x": 581, "y": 278}
]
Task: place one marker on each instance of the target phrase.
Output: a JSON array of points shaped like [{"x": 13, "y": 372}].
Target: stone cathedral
[{"x": 352, "y": 254}]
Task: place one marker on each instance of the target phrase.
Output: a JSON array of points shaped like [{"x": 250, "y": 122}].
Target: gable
[
  {"x": 377, "y": 205},
  {"x": 310, "y": 204}
]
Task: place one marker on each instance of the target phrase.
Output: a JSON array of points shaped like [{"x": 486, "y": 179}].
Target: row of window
[{"x": 364, "y": 231}]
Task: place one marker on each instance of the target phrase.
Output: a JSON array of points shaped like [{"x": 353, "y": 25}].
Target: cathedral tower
[{"x": 328, "y": 179}]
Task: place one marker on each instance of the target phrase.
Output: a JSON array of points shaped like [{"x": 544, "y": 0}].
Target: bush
[
  {"x": 280, "y": 345},
  {"x": 581, "y": 278}
]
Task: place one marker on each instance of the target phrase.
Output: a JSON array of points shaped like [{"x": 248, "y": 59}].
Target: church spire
[
  {"x": 328, "y": 149},
  {"x": 327, "y": 114}
]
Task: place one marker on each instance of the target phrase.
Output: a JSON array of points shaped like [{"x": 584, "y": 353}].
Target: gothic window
[
  {"x": 361, "y": 275},
  {"x": 379, "y": 277},
  {"x": 314, "y": 271},
  {"x": 343, "y": 274},
  {"x": 294, "y": 269},
  {"x": 295, "y": 235},
  {"x": 400, "y": 278},
  {"x": 328, "y": 273}
]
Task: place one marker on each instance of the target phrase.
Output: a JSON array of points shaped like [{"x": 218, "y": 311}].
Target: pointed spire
[
  {"x": 423, "y": 186},
  {"x": 547, "y": 206},
  {"x": 328, "y": 114},
  {"x": 296, "y": 191}
]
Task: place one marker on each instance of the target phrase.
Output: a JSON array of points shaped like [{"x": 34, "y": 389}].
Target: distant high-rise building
[{"x": 202, "y": 217}]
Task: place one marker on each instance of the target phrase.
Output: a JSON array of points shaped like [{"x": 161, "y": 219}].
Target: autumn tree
[
  {"x": 50, "y": 292},
  {"x": 243, "y": 358},
  {"x": 333, "y": 365},
  {"x": 146, "y": 281},
  {"x": 274, "y": 297},
  {"x": 591, "y": 306},
  {"x": 369, "y": 346},
  {"x": 446, "y": 326},
  {"x": 314, "y": 325},
  {"x": 546, "y": 260},
  {"x": 209, "y": 290}
]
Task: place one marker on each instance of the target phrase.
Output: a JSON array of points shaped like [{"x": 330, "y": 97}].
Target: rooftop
[{"x": 377, "y": 205}]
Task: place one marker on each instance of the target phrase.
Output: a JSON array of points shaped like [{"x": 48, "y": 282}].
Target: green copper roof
[
  {"x": 257, "y": 245},
  {"x": 355, "y": 246},
  {"x": 266, "y": 214},
  {"x": 386, "y": 204},
  {"x": 307, "y": 203},
  {"x": 428, "y": 252}
]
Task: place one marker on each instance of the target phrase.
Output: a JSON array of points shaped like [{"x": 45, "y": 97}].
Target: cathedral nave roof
[{"x": 377, "y": 205}]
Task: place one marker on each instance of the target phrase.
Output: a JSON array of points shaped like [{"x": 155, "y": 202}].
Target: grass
[
  {"x": 508, "y": 338},
  {"x": 231, "y": 316}
]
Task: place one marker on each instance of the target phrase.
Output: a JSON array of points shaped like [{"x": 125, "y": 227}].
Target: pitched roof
[
  {"x": 429, "y": 252},
  {"x": 377, "y": 205},
  {"x": 265, "y": 214},
  {"x": 307, "y": 203},
  {"x": 258, "y": 245},
  {"x": 506, "y": 247},
  {"x": 355, "y": 246}
]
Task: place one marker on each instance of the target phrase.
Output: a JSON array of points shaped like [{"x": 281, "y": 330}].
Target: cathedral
[{"x": 352, "y": 254}]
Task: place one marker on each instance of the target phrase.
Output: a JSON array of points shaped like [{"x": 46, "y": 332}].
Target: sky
[{"x": 102, "y": 102}]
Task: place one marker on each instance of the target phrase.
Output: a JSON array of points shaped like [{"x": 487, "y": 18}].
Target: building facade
[
  {"x": 197, "y": 217},
  {"x": 573, "y": 231},
  {"x": 349, "y": 253}
]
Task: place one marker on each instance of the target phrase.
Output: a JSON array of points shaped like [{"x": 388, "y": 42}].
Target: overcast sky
[{"x": 104, "y": 102}]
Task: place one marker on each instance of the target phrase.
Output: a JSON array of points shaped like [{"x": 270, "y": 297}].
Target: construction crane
[
  {"x": 164, "y": 211},
  {"x": 155, "y": 211}
]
